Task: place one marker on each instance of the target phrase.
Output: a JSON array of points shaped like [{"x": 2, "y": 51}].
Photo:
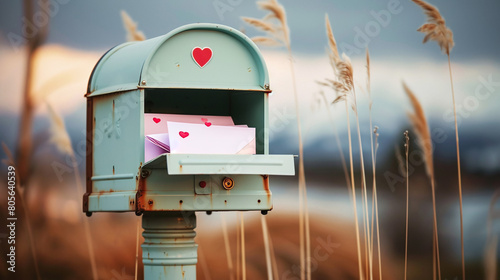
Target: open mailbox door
[{"x": 192, "y": 164}]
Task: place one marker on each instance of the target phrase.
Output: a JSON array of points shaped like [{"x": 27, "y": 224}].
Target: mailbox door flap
[{"x": 194, "y": 164}]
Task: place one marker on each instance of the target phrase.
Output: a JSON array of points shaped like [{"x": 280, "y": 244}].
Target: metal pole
[{"x": 169, "y": 251}]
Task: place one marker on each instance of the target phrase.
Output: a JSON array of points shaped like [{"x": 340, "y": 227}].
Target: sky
[
  {"x": 81, "y": 31},
  {"x": 97, "y": 25}
]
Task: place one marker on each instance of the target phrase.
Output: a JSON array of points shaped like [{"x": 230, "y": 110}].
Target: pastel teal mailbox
[{"x": 197, "y": 69}]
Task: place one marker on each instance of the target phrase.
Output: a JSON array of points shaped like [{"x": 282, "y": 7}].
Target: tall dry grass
[
  {"x": 227, "y": 246},
  {"x": 275, "y": 25},
  {"x": 374, "y": 147},
  {"x": 267, "y": 247},
  {"x": 24, "y": 149},
  {"x": 133, "y": 34},
  {"x": 25, "y": 141},
  {"x": 422, "y": 131},
  {"x": 343, "y": 85},
  {"x": 243, "y": 255},
  {"x": 436, "y": 30},
  {"x": 407, "y": 148}
]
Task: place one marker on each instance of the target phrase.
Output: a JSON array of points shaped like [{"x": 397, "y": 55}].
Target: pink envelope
[
  {"x": 186, "y": 138},
  {"x": 155, "y": 145},
  {"x": 157, "y": 123}
]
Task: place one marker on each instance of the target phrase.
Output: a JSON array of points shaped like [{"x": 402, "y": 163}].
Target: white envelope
[{"x": 186, "y": 138}]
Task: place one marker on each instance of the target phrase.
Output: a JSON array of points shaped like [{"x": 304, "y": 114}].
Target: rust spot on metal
[
  {"x": 85, "y": 202},
  {"x": 265, "y": 181},
  {"x": 113, "y": 170},
  {"x": 140, "y": 196},
  {"x": 150, "y": 202},
  {"x": 182, "y": 269},
  {"x": 180, "y": 168}
]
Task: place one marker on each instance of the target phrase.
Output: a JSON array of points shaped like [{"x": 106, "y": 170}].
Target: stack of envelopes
[{"x": 193, "y": 134}]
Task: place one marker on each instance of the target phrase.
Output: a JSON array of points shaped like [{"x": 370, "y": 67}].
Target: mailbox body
[{"x": 160, "y": 75}]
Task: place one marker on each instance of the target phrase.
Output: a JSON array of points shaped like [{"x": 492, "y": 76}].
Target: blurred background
[{"x": 49, "y": 51}]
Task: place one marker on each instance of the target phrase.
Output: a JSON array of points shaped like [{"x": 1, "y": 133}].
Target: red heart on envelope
[
  {"x": 202, "y": 56},
  {"x": 156, "y": 120},
  {"x": 183, "y": 134},
  {"x": 208, "y": 124}
]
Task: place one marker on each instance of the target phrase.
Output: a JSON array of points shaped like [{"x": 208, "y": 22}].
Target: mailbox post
[{"x": 197, "y": 69}]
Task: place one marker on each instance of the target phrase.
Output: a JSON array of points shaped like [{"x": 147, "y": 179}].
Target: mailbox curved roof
[{"x": 170, "y": 61}]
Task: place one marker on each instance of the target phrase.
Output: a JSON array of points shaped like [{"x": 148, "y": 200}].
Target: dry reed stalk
[
  {"x": 238, "y": 248},
  {"x": 137, "y": 247},
  {"x": 279, "y": 33},
  {"x": 345, "y": 75},
  {"x": 374, "y": 173},
  {"x": 358, "y": 244},
  {"x": 366, "y": 235},
  {"x": 273, "y": 259},
  {"x": 375, "y": 131},
  {"x": 407, "y": 148},
  {"x": 422, "y": 131},
  {"x": 433, "y": 253},
  {"x": 131, "y": 27},
  {"x": 363, "y": 178},
  {"x": 265, "y": 233},
  {"x": 227, "y": 247},
  {"x": 436, "y": 30},
  {"x": 344, "y": 85},
  {"x": 25, "y": 142},
  {"x": 490, "y": 250},
  {"x": 61, "y": 139},
  {"x": 243, "y": 258},
  {"x": 337, "y": 140}
]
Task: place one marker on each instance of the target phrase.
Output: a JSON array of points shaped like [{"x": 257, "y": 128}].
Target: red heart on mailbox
[
  {"x": 202, "y": 55},
  {"x": 183, "y": 134},
  {"x": 156, "y": 120}
]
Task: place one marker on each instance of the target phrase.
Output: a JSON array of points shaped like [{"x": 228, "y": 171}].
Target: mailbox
[{"x": 198, "y": 69}]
